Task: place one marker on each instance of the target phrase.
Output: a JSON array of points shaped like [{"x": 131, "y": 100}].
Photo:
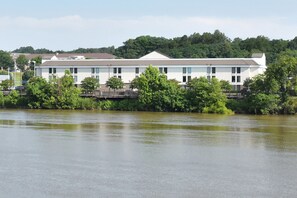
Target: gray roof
[{"x": 139, "y": 62}]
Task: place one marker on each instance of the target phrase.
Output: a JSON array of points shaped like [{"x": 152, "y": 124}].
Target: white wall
[{"x": 174, "y": 72}]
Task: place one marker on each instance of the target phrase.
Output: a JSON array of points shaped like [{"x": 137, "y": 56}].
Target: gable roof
[{"x": 154, "y": 55}]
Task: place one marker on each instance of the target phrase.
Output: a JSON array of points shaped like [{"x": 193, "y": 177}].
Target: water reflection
[{"x": 139, "y": 154}]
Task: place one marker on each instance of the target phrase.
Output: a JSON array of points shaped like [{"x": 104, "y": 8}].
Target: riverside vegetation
[{"x": 271, "y": 93}]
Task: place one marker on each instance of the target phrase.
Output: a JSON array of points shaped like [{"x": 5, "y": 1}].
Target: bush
[
  {"x": 290, "y": 106},
  {"x": 87, "y": 104}
]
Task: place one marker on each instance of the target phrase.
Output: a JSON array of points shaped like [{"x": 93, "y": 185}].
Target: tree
[
  {"x": 89, "y": 84},
  {"x": 206, "y": 96},
  {"x": 35, "y": 61},
  {"x": 156, "y": 93},
  {"x": 284, "y": 72},
  {"x": 225, "y": 85},
  {"x": 38, "y": 92},
  {"x": 115, "y": 83},
  {"x": 28, "y": 49},
  {"x": 27, "y": 75},
  {"x": 6, "y": 84},
  {"x": 6, "y": 60},
  {"x": 65, "y": 93},
  {"x": 21, "y": 62}
]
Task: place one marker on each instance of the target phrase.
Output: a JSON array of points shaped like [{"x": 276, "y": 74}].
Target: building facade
[{"x": 234, "y": 70}]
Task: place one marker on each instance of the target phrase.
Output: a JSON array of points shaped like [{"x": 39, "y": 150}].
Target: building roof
[
  {"x": 146, "y": 62},
  {"x": 87, "y": 55},
  {"x": 68, "y": 55},
  {"x": 154, "y": 55}
]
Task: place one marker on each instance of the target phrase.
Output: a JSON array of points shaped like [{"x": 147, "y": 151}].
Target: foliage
[
  {"x": 31, "y": 50},
  {"x": 264, "y": 103},
  {"x": 6, "y": 60},
  {"x": 27, "y": 75},
  {"x": 290, "y": 106},
  {"x": 6, "y": 84},
  {"x": 106, "y": 105},
  {"x": 115, "y": 83},
  {"x": 38, "y": 92},
  {"x": 65, "y": 93},
  {"x": 87, "y": 104},
  {"x": 35, "y": 61},
  {"x": 12, "y": 99},
  {"x": 1, "y": 99},
  {"x": 206, "y": 96},
  {"x": 89, "y": 84},
  {"x": 3, "y": 72},
  {"x": 225, "y": 85},
  {"x": 21, "y": 62}
]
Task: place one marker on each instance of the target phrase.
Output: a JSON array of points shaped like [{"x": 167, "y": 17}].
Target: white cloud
[{"x": 70, "y": 32}]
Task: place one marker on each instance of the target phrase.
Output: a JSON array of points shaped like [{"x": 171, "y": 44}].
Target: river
[{"x": 140, "y": 154}]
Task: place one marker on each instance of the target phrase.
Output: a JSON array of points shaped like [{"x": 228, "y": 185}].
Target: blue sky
[{"x": 70, "y": 24}]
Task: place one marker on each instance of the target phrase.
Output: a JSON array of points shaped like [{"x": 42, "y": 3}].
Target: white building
[{"x": 234, "y": 70}]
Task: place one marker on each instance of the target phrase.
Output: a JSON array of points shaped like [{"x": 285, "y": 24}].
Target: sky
[{"x": 71, "y": 24}]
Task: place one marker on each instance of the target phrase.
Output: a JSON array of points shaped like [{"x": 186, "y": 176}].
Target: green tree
[
  {"x": 115, "y": 83},
  {"x": 262, "y": 103},
  {"x": 35, "y": 61},
  {"x": 156, "y": 93},
  {"x": 27, "y": 75},
  {"x": 21, "y": 62},
  {"x": 284, "y": 72},
  {"x": 38, "y": 92},
  {"x": 89, "y": 85},
  {"x": 6, "y": 84},
  {"x": 226, "y": 86},
  {"x": 206, "y": 96},
  {"x": 65, "y": 93},
  {"x": 6, "y": 60},
  {"x": 12, "y": 99}
]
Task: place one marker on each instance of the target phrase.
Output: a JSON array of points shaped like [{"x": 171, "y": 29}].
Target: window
[
  {"x": 189, "y": 70},
  {"x": 213, "y": 70},
  {"x": 238, "y": 70},
  {"x": 97, "y": 78},
  {"x": 238, "y": 78},
  {"x": 213, "y": 76},
  {"x": 114, "y": 70},
  {"x": 73, "y": 70},
  {"x": 137, "y": 70},
  {"x": 95, "y": 70},
  {"x": 119, "y": 70},
  {"x": 233, "y": 79},
  {"x": 165, "y": 70},
  {"x": 238, "y": 87},
  {"x": 184, "y": 79},
  {"x": 208, "y": 78},
  {"x": 50, "y": 70},
  {"x": 120, "y": 77},
  {"x": 189, "y": 78},
  {"x": 184, "y": 70},
  {"x": 75, "y": 79},
  {"x": 233, "y": 70},
  {"x": 208, "y": 70}
]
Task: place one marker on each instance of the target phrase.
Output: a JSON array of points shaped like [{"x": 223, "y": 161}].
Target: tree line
[{"x": 206, "y": 45}]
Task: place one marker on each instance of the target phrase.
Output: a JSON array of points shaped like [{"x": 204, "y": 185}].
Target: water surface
[{"x": 138, "y": 154}]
